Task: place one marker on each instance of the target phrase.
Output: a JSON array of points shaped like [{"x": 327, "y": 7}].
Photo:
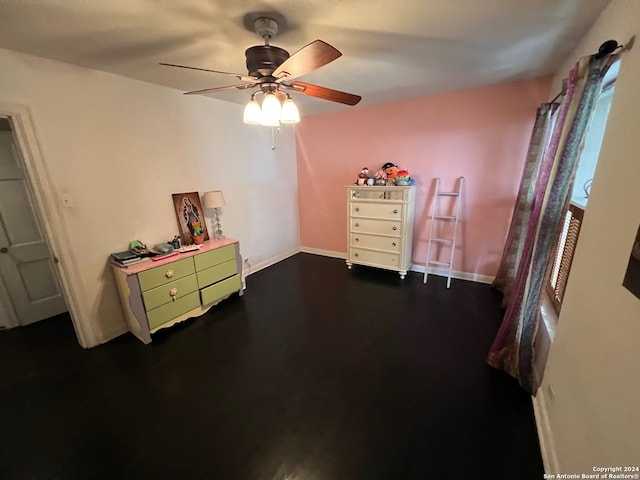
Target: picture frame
[
  {"x": 632, "y": 276},
  {"x": 190, "y": 216}
]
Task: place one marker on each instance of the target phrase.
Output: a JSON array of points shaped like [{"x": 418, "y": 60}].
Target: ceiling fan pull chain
[{"x": 274, "y": 130}]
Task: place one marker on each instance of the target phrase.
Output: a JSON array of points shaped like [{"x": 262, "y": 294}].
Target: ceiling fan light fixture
[
  {"x": 269, "y": 67},
  {"x": 290, "y": 113},
  {"x": 252, "y": 113},
  {"x": 271, "y": 109}
]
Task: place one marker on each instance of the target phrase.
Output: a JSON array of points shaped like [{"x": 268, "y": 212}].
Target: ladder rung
[
  {"x": 437, "y": 262},
  {"x": 435, "y": 215}
]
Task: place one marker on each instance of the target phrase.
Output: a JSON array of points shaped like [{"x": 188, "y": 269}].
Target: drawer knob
[
  {"x": 393, "y": 244},
  {"x": 357, "y": 224},
  {"x": 357, "y": 239},
  {"x": 357, "y": 209},
  {"x": 169, "y": 274},
  {"x": 173, "y": 292},
  {"x": 355, "y": 254},
  {"x": 395, "y": 211},
  {"x": 395, "y": 228}
]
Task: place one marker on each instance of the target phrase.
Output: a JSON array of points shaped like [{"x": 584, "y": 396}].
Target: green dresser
[{"x": 160, "y": 294}]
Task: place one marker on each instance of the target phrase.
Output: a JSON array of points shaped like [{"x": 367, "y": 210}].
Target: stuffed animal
[
  {"x": 362, "y": 176},
  {"x": 404, "y": 178},
  {"x": 390, "y": 169},
  {"x": 381, "y": 178}
]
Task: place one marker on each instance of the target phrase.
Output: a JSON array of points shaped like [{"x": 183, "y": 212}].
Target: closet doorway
[{"x": 28, "y": 280}]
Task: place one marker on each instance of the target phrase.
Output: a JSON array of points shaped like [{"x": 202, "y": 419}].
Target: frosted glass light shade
[
  {"x": 271, "y": 111},
  {"x": 213, "y": 199},
  {"x": 290, "y": 113},
  {"x": 252, "y": 113}
]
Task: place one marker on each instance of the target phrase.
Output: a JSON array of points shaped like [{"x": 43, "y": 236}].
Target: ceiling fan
[{"x": 271, "y": 69}]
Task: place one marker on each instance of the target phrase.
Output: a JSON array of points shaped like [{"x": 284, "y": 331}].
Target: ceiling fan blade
[
  {"x": 242, "y": 86},
  {"x": 239, "y": 76},
  {"x": 308, "y": 58},
  {"x": 324, "y": 93}
]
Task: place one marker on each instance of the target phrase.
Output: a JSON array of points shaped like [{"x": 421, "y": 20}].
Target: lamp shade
[
  {"x": 252, "y": 113},
  {"x": 213, "y": 199},
  {"x": 271, "y": 111},
  {"x": 290, "y": 113}
]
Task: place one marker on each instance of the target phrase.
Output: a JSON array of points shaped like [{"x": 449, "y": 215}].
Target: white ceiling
[{"x": 392, "y": 50}]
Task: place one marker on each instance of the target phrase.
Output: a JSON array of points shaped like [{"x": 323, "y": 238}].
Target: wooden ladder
[{"x": 436, "y": 217}]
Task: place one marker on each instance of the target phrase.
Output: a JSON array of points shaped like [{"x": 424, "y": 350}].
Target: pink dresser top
[{"x": 147, "y": 264}]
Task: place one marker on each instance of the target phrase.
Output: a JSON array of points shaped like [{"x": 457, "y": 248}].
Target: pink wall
[{"x": 481, "y": 134}]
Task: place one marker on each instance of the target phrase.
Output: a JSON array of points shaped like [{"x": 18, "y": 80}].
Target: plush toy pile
[{"x": 389, "y": 174}]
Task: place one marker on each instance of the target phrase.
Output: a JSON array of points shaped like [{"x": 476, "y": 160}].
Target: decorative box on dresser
[
  {"x": 380, "y": 227},
  {"x": 160, "y": 294}
]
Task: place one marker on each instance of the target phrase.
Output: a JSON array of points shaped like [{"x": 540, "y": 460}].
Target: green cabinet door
[
  {"x": 170, "y": 311},
  {"x": 166, "y": 273},
  {"x": 215, "y": 257},
  {"x": 220, "y": 290},
  {"x": 169, "y": 291},
  {"x": 215, "y": 274}
]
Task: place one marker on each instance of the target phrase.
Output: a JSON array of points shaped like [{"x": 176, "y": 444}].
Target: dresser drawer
[
  {"x": 215, "y": 257},
  {"x": 166, "y": 273},
  {"x": 389, "y": 244},
  {"x": 220, "y": 290},
  {"x": 397, "y": 194},
  {"x": 387, "y": 211},
  {"x": 160, "y": 295},
  {"x": 376, "y": 259},
  {"x": 217, "y": 273},
  {"x": 170, "y": 311},
  {"x": 376, "y": 227}
]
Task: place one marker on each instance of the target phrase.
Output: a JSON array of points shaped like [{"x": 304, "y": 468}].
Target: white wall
[
  {"x": 594, "y": 418},
  {"x": 120, "y": 147}
]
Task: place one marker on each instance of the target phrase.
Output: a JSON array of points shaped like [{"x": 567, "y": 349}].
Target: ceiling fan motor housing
[{"x": 262, "y": 60}]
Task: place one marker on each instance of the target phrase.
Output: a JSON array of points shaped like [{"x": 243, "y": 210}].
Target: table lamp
[{"x": 215, "y": 200}]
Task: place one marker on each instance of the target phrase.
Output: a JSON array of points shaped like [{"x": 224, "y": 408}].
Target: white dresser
[{"x": 380, "y": 227}]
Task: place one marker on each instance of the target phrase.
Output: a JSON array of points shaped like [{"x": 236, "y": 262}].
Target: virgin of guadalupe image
[{"x": 191, "y": 216}]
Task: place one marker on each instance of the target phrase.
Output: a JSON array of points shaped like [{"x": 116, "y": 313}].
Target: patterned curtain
[
  {"x": 524, "y": 203},
  {"x": 512, "y": 349}
]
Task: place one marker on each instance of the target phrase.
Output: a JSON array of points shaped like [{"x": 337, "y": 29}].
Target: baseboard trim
[
  {"x": 443, "y": 272},
  {"x": 324, "y": 253},
  {"x": 545, "y": 437},
  {"x": 473, "y": 277},
  {"x": 268, "y": 262}
]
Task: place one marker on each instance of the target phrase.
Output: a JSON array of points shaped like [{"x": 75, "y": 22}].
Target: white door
[{"x": 26, "y": 265}]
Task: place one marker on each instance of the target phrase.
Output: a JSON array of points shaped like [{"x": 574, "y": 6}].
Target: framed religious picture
[
  {"x": 190, "y": 216},
  {"x": 632, "y": 277}
]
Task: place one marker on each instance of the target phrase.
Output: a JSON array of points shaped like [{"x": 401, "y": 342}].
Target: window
[
  {"x": 564, "y": 255},
  {"x": 568, "y": 238}
]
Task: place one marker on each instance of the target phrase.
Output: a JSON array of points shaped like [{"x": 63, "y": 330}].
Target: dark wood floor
[{"x": 316, "y": 373}]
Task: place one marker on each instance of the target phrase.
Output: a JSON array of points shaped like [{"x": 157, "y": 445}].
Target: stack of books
[{"x": 126, "y": 258}]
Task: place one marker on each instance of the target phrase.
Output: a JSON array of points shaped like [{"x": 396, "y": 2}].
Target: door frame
[{"x": 53, "y": 226}]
